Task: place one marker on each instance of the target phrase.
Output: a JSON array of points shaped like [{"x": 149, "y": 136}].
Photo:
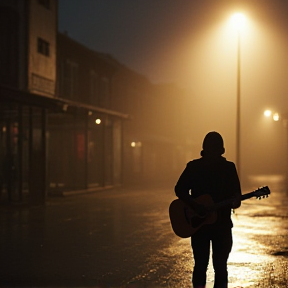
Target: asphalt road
[{"x": 123, "y": 238}]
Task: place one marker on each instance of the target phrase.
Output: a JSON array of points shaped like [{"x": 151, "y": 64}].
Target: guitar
[{"x": 185, "y": 222}]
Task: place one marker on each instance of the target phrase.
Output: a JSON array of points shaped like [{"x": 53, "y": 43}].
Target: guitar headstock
[{"x": 261, "y": 192}]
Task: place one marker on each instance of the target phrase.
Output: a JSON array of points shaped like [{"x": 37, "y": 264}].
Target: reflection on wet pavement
[
  {"x": 260, "y": 230},
  {"x": 259, "y": 255},
  {"x": 124, "y": 239}
]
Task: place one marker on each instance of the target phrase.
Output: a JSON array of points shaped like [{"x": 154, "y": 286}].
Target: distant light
[
  {"x": 238, "y": 20},
  {"x": 65, "y": 107},
  {"x": 98, "y": 121},
  {"x": 90, "y": 113},
  {"x": 267, "y": 113},
  {"x": 136, "y": 144},
  {"x": 276, "y": 117}
]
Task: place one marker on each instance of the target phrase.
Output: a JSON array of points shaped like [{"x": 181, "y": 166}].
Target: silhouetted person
[{"x": 211, "y": 174}]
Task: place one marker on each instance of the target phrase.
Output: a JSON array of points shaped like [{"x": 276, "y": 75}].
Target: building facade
[
  {"x": 27, "y": 86},
  {"x": 85, "y": 139},
  {"x": 74, "y": 120},
  {"x": 47, "y": 138}
]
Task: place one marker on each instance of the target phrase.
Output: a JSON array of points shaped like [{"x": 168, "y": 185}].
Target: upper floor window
[
  {"x": 68, "y": 79},
  {"x": 94, "y": 87},
  {"x": 45, "y": 3},
  {"x": 43, "y": 47},
  {"x": 104, "y": 97}
]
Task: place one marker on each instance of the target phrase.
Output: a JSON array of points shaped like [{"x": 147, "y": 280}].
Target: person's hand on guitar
[{"x": 236, "y": 202}]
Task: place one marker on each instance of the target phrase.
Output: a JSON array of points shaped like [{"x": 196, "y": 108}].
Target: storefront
[
  {"x": 51, "y": 146},
  {"x": 23, "y": 145},
  {"x": 84, "y": 151}
]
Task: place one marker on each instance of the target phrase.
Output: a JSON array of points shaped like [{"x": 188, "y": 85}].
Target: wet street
[{"x": 123, "y": 238}]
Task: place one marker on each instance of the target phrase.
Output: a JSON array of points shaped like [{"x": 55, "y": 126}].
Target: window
[
  {"x": 93, "y": 93},
  {"x": 70, "y": 80},
  {"x": 104, "y": 97},
  {"x": 45, "y": 3},
  {"x": 43, "y": 47}
]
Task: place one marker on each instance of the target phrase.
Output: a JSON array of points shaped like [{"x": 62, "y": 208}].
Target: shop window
[
  {"x": 45, "y": 3},
  {"x": 80, "y": 146}
]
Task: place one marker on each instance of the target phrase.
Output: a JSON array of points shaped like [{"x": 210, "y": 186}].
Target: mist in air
[
  {"x": 195, "y": 46},
  {"x": 208, "y": 64},
  {"x": 211, "y": 76}
]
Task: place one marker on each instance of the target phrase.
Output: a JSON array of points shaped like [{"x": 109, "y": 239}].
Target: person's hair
[{"x": 213, "y": 144}]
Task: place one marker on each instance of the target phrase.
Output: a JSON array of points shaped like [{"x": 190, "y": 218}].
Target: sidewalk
[{"x": 75, "y": 241}]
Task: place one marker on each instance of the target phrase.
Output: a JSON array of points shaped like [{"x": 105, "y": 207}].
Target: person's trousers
[{"x": 221, "y": 246}]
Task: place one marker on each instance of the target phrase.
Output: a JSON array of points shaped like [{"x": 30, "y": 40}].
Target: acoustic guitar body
[{"x": 184, "y": 221}]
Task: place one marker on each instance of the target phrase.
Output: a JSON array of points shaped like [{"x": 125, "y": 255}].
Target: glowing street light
[
  {"x": 275, "y": 116},
  {"x": 267, "y": 113},
  {"x": 238, "y": 20},
  {"x": 136, "y": 144}
]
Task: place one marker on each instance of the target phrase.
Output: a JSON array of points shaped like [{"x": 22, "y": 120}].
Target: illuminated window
[{"x": 43, "y": 47}]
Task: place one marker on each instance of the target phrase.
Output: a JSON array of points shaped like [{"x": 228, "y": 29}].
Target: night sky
[{"x": 151, "y": 36}]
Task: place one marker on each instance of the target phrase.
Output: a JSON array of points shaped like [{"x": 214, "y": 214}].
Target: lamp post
[{"x": 238, "y": 21}]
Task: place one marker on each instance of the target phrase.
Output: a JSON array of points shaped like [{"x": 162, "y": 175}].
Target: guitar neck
[
  {"x": 247, "y": 196},
  {"x": 229, "y": 201}
]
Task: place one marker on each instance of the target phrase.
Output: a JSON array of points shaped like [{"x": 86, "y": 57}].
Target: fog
[{"x": 211, "y": 75}]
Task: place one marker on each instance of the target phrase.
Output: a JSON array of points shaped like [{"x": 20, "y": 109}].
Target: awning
[{"x": 59, "y": 104}]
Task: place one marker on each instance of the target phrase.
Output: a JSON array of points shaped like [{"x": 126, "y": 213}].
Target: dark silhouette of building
[
  {"x": 75, "y": 120},
  {"x": 28, "y": 33}
]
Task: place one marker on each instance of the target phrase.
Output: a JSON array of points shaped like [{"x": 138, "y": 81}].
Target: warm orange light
[
  {"x": 267, "y": 113},
  {"x": 276, "y": 117},
  {"x": 136, "y": 144},
  {"x": 238, "y": 20}
]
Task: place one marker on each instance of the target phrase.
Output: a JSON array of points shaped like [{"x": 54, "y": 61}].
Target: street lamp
[
  {"x": 238, "y": 20},
  {"x": 275, "y": 116},
  {"x": 267, "y": 113},
  {"x": 284, "y": 119}
]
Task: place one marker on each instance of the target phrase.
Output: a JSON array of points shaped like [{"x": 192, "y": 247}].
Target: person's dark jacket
[{"x": 214, "y": 176}]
